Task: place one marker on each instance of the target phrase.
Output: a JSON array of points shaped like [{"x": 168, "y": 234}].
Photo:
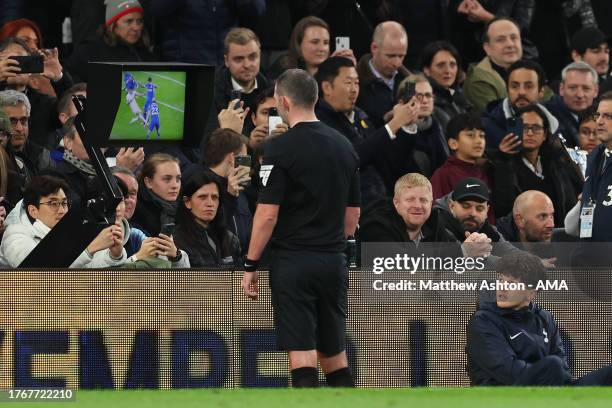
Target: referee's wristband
[{"x": 250, "y": 265}]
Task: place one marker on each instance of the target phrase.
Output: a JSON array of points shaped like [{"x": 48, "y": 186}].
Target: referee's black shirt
[{"x": 311, "y": 171}]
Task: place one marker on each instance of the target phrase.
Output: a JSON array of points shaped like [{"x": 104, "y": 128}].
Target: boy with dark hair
[
  {"x": 259, "y": 119},
  {"x": 466, "y": 139},
  {"x": 222, "y": 148},
  {"x": 591, "y": 45},
  {"x": 512, "y": 341}
]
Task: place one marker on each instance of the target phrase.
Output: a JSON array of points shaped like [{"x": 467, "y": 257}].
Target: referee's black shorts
[{"x": 309, "y": 295}]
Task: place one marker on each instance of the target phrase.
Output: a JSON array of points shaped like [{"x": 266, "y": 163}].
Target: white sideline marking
[{"x": 176, "y": 81}]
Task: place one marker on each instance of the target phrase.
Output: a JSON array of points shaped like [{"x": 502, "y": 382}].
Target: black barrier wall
[{"x": 192, "y": 328}]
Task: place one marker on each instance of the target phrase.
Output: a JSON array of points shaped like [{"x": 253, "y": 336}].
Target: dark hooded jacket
[
  {"x": 204, "y": 250},
  {"x": 503, "y": 344}
]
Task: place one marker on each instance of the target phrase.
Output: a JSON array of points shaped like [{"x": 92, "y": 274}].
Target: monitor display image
[{"x": 152, "y": 106}]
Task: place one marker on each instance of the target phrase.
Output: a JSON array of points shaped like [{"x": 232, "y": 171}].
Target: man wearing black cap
[
  {"x": 468, "y": 204},
  {"x": 590, "y": 45}
]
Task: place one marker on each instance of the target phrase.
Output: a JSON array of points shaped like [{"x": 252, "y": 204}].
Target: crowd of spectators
[{"x": 430, "y": 94}]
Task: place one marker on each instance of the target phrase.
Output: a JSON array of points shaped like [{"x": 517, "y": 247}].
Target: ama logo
[{"x": 264, "y": 173}]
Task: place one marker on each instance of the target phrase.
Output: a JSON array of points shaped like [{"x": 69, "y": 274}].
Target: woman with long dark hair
[
  {"x": 200, "y": 224},
  {"x": 535, "y": 160}
]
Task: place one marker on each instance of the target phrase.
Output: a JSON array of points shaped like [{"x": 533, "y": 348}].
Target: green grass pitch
[
  {"x": 323, "y": 398},
  {"x": 170, "y": 96}
]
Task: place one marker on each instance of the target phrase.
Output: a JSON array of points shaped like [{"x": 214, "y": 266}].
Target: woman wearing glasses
[
  {"x": 535, "y": 160},
  {"x": 587, "y": 139},
  {"x": 44, "y": 204},
  {"x": 419, "y": 147}
]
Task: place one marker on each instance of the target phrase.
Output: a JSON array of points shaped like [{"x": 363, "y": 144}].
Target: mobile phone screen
[
  {"x": 30, "y": 64},
  {"x": 236, "y": 95},
  {"x": 343, "y": 43},
  {"x": 515, "y": 126},
  {"x": 167, "y": 229},
  {"x": 273, "y": 120}
]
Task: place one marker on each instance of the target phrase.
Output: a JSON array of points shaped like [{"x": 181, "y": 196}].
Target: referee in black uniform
[{"x": 308, "y": 204}]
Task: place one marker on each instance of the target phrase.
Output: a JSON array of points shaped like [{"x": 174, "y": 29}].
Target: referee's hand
[{"x": 249, "y": 284}]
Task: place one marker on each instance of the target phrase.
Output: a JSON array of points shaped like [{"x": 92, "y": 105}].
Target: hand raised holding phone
[
  {"x": 8, "y": 68},
  {"x": 274, "y": 119},
  {"x": 238, "y": 178}
]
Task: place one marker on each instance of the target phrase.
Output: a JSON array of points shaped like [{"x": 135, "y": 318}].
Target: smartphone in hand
[
  {"x": 30, "y": 64},
  {"x": 273, "y": 119},
  {"x": 243, "y": 160},
  {"x": 515, "y": 126},
  {"x": 343, "y": 43},
  {"x": 168, "y": 229},
  {"x": 236, "y": 95},
  {"x": 409, "y": 92}
]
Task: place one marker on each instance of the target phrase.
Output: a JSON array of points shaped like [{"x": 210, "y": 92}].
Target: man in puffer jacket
[{"x": 44, "y": 204}]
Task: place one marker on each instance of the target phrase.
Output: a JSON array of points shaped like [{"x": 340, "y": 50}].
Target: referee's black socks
[
  {"x": 304, "y": 377},
  {"x": 340, "y": 378}
]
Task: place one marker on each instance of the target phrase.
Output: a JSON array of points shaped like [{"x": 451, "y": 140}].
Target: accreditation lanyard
[{"x": 587, "y": 212}]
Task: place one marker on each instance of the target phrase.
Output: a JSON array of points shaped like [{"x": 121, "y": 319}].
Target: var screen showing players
[{"x": 152, "y": 106}]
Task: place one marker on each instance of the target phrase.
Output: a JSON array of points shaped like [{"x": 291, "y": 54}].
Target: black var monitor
[{"x": 136, "y": 104}]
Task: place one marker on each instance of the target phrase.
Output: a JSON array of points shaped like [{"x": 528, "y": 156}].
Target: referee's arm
[
  {"x": 351, "y": 219},
  {"x": 264, "y": 222}
]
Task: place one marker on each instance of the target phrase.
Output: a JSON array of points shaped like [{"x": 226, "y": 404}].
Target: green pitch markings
[{"x": 170, "y": 98}]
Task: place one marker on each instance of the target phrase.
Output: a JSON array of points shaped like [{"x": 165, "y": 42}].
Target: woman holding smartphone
[
  {"x": 535, "y": 161},
  {"x": 150, "y": 251},
  {"x": 308, "y": 48}
]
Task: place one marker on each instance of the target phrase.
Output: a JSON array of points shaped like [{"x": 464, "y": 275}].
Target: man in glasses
[
  {"x": 30, "y": 157},
  {"x": 5, "y": 128},
  {"x": 44, "y": 204}
]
